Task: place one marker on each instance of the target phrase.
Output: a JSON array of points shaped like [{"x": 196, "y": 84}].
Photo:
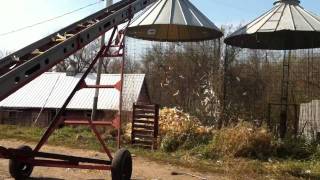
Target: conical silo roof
[
  {"x": 173, "y": 21},
  {"x": 286, "y": 26}
]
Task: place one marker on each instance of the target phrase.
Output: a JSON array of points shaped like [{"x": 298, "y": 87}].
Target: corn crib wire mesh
[
  {"x": 184, "y": 75},
  {"x": 257, "y": 81},
  {"x": 247, "y": 85}
]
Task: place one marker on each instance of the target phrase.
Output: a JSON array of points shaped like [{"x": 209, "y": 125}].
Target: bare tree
[
  {"x": 186, "y": 75},
  {"x": 82, "y": 59}
]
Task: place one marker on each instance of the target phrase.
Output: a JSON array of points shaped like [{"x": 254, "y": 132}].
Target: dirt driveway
[{"x": 143, "y": 169}]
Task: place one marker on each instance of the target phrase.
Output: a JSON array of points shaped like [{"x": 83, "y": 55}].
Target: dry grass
[
  {"x": 236, "y": 168},
  {"x": 243, "y": 140}
]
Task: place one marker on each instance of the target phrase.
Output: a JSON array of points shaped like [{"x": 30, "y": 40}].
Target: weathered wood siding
[
  {"x": 309, "y": 120},
  {"x": 27, "y": 117},
  {"x": 24, "y": 117}
]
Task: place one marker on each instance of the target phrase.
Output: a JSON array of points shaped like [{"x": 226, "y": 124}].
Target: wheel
[
  {"x": 121, "y": 166},
  {"x": 19, "y": 170}
]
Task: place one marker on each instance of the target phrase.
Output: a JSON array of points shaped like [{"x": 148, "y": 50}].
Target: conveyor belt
[{"x": 24, "y": 65}]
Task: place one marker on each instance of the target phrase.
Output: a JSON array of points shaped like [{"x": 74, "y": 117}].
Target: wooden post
[
  {"x": 269, "y": 117},
  {"x": 296, "y": 121},
  {"x": 156, "y": 127},
  {"x": 132, "y": 121}
]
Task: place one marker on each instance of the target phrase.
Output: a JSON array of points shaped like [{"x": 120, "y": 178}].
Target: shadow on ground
[{"x": 44, "y": 178}]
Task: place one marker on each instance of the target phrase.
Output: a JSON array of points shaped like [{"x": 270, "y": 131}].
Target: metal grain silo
[
  {"x": 286, "y": 26},
  {"x": 173, "y": 21}
]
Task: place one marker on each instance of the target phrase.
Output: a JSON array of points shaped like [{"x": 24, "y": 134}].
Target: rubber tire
[
  {"x": 19, "y": 170},
  {"x": 121, "y": 166}
]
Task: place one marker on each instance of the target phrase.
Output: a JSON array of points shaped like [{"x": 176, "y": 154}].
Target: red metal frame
[{"x": 64, "y": 161}]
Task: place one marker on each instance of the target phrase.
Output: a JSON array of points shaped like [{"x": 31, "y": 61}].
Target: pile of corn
[
  {"x": 176, "y": 121},
  {"x": 127, "y": 130}
]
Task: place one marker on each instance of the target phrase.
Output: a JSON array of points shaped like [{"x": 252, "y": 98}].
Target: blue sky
[{"x": 15, "y": 14}]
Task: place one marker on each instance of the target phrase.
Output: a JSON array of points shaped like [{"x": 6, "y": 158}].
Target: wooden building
[{"x": 38, "y": 101}]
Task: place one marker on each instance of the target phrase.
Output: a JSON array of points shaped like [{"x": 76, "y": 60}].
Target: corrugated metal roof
[
  {"x": 52, "y": 89},
  {"x": 286, "y": 26},
  {"x": 173, "y": 20}
]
